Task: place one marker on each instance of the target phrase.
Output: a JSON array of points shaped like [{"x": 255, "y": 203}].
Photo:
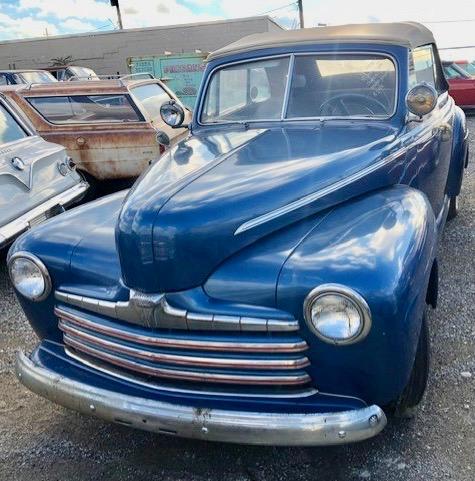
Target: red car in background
[
  {"x": 461, "y": 85},
  {"x": 469, "y": 67}
]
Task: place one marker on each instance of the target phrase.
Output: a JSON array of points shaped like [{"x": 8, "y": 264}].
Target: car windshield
[
  {"x": 86, "y": 108},
  {"x": 10, "y": 130},
  {"x": 37, "y": 77},
  {"x": 83, "y": 73},
  {"x": 319, "y": 85}
]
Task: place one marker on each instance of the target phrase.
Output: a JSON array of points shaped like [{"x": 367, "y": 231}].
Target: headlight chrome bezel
[
  {"x": 41, "y": 267},
  {"x": 350, "y": 295}
]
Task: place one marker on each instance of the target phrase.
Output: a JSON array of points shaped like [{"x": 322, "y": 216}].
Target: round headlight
[
  {"x": 337, "y": 314},
  {"x": 29, "y": 276},
  {"x": 172, "y": 113}
]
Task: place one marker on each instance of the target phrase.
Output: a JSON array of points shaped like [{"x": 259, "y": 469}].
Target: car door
[{"x": 431, "y": 151}]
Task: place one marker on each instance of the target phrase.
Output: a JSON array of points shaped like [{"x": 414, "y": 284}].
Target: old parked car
[
  {"x": 109, "y": 127},
  {"x": 461, "y": 85},
  {"x": 267, "y": 280},
  {"x": 37, "y": 180},
  {"x": 72, "y": 72},
  {"x": 15, "y": 77}
]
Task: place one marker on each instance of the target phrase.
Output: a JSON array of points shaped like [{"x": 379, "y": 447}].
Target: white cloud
[
  {"x": 146, "y": 13},
  {"x": 28, "y": 27},
  {"x": 76, "y": 25},
  {"x": 62, "y": 9}
]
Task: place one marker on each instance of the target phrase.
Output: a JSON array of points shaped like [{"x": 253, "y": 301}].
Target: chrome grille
[{"x": 260, "y": 360}]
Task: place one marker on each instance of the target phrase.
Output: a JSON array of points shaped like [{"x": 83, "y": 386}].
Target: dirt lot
[{"x": 40, "y": 441}]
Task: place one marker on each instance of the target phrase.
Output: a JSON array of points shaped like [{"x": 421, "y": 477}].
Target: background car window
[
  {"x": 151, "y": 97},
  {"x": 37, "y": 77},
  {"x": 451, "y": 73},
  {"x": 86, "y": 108},
  {"x": 3, "y": 80},
  {"x": 342, "y": 85},
  {"x": 247, "y": 91},
  {"x": 10, "y": 130},
  {"x": 421, "y": 67}
]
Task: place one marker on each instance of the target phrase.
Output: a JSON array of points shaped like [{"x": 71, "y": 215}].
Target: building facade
[{"x": 108, "y": 52}]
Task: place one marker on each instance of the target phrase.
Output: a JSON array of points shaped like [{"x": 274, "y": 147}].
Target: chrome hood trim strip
[{"x": 154, "y": 311}]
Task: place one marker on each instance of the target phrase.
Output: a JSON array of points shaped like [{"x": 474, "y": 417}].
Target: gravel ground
[{"x": 44, "y": 442}]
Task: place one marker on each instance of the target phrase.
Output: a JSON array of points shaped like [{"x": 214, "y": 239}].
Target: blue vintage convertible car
[{"x": 266, "y": 280}]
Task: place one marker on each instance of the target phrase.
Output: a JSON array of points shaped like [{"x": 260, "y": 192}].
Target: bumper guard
[{"x": 202, "y": 423}]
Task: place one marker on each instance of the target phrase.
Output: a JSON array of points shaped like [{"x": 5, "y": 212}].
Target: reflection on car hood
[{"x": 180, "y": 220}]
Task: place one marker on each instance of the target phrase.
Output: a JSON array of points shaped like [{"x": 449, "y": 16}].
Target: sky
[{"x": 36, "y": 18}]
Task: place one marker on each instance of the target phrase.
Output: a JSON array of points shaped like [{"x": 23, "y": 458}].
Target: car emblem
[{"x": 18, "y": 163}]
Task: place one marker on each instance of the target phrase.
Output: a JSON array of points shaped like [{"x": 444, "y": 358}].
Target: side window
[
  {"x": 3, "y": 79},
  {"x": 451, "y": 73},
  {"x": 151, "y": 97},
  {"x": 9, "y": 128},
  {"x": 86, "y": 108},
  {"x": 421, "y": 67}
]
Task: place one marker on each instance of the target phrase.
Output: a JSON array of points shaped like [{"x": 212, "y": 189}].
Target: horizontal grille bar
[
  {"x": 205, "y": 376},
  {"x": 153, "y": 310},
  {"x": 136, "y": 378},
  {"x": 72, "y": 332},
  {"x": 275, "y": 346}
]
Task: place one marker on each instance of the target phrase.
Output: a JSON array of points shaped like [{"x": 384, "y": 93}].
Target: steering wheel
[{"x": 336, "y": 105}]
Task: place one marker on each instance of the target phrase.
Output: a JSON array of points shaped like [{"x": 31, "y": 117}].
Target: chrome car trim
[
  {"x": 150, "y": 384},
  {"x": 350, "y": 294},
  {"x": 153, "y": 310},
  {"x": 38, "y": 263},
  {"x": 189, "y": 375},
  {"x": 277, "y": 346},
  {"x": 193, "y": 422},
  {"x": 19, "y": 225},
  {"x": 314, "y": 196},
  {"x": 74, "y": 333}
]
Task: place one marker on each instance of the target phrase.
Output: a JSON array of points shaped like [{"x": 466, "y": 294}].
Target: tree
[{"x": 61, "y": 61}]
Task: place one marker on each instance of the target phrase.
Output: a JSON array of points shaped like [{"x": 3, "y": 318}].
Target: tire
[
  {"x": 413, "y": 393},
  {"x": 453, "y": 208}
]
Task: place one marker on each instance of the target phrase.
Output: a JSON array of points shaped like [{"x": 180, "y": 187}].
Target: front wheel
[
  {"x": 412, "y": 395},
  {"x": 453, "y": 208}
]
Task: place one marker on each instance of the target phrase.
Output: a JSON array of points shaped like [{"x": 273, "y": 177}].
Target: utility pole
[
  {"x": 299, "y": 3},
  {"x": 115, "y": 3}
]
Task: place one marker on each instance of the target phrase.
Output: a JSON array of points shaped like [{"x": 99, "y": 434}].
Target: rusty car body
[{"x": 109, "y": 127}]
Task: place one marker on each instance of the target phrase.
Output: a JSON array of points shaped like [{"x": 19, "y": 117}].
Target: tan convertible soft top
[{"x": 407, "y": 34}]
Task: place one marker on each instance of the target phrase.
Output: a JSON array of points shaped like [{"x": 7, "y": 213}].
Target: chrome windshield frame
[{"x": 283, "y": 118}]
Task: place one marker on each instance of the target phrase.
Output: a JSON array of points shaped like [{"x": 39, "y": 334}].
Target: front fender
[
  {"x": 383, "y": 246},
  {"x": 459, "y": 157}
]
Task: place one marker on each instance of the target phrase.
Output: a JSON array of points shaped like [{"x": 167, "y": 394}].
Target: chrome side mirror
[
  {"x": 421, "y": 100},
  {"x": 162, "y": 138},
  {"x": 172, "y": 114}
]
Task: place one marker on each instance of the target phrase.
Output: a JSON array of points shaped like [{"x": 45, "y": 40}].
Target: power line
[
  {"x": 452, "y": 21},
  {"x": 279, "y": 8}
]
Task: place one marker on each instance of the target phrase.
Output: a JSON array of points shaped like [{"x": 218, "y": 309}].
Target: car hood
[{"x": 192, "y": 209}]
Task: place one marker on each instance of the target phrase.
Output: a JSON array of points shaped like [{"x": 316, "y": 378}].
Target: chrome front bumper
[
  {"x": 202, "y": 423},
  {"x": 13, "y": 229}
]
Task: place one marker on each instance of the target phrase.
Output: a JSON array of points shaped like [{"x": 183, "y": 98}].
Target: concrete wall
[{"x": 107, "y": 52}]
